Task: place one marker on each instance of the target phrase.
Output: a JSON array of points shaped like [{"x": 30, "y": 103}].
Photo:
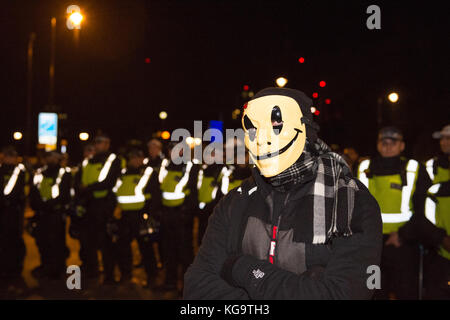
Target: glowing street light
[
  {"x": 190, "y": 140},
  {"x": 165, "y": 135},
  {"x": 393, "y": 97},
  {"x": 75, "y": 17},
  {"x": 83, "y": 136},
  {"x": 17, "y": 135},
  {"x": 163, "y": 115},
  {"x": 197, "y": 141},
  {"x": 281, "y": 82}
]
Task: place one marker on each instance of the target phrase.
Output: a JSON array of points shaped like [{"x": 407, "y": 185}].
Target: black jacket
[
  {"x": 16, "y": 198},
  {"x": 335, "y": 270},
  {"x": 58, "y": 203}
]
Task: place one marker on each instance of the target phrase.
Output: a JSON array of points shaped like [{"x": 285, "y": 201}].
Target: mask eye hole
[
  {"x": 251, "y": 129},
  {"x": 277, "y": 120}
]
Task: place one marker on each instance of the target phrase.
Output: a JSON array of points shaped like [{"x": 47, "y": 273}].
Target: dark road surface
[{"x": 35, "y": 289}]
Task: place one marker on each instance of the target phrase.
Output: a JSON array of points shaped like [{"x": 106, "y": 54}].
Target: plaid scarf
[{"x": 331, "y": 197}]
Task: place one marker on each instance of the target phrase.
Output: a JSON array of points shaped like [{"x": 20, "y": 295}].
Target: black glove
[{"x": 227, "y": 269}]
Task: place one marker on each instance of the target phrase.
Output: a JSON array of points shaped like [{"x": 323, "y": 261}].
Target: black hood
[{"x": 303, "y": 101}]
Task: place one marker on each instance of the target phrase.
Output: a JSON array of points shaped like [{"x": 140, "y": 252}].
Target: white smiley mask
[{"x": 274, "y": 133}]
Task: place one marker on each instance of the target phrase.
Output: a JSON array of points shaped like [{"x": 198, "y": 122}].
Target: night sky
[{"x": 202, "y": 53}]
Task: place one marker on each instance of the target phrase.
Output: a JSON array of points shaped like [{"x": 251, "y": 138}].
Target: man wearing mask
[
  {"x": 49, "y": 198},
  {"x": 95, "y": 203},
  {"x": 301, "y": 227},
  {"x": 12, "y": 206},
  {"x": 399, "y": 185}
]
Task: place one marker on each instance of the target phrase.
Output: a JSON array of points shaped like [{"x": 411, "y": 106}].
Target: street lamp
[
  {"x": 83, "y": 136},
  {"x": 75, "y": 17},
  {"x": 393, "y": 97},
  {"x": 165, "y": 135},
  {"x": 17, "y": 135},
  {"x": 75, "y": 20},
  {"x": 197, "y": 141},
  {"x": 281, "y": 82},
  {"x": 163, "y": 115}
]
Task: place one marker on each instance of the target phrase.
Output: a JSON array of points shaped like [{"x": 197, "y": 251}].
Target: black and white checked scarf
[{"x": 330, "y": 201}]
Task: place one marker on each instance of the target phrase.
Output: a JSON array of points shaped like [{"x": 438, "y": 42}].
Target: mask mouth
[{"x": 277, "y": 153}]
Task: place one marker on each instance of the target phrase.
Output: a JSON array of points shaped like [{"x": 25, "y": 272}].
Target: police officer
[
  {"x": 139, "y": 200},
  {"x": 155, "y": 154},
  {"x": 437, "y": 211},
  {"x": 208, "y": 185},
  {"x": 49, "y": 198},
  {"x": 399, "y": 186},
  {"x": 237, "y": 170},
  {"x": 95, "y": 201},
  {"x": 12, "y": 205},
  {"x": 88, "y": 151},
  {"x": 178, "y": 179}
]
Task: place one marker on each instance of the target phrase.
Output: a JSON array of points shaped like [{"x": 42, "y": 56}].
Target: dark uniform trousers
[
  {"x": 12, "y": 246},
  {"x": 437, "y": 277},
  {"x": 177, "y": 248},
  {"x": 130, "y": 225},
  {"x": 399, "y": 272},
  {"x": 94, "y": 237},
  {"x": 50, "y": 239}
]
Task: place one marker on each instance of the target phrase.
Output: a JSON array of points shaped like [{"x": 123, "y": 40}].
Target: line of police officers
[
  {"x": 415, "y": 205},
  {"x": 110, "y": 203}
]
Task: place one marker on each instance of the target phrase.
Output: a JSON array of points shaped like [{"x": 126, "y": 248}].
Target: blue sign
[
  {"x": 48, "y": 129},
  {"x": 218, "y": 125}
]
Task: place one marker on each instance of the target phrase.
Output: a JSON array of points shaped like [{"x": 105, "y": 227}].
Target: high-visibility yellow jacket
[
  {"x": 208, "y": 184},
  {"x": 393, "y": 195},
  {"x": 133, "y": 188},
  {"x": 437, "y": 205},
  {"x": 99, "y": 174},
  {"x": 178, "y": 183}
]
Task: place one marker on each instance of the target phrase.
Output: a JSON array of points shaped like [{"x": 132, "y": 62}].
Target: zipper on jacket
[{"x": 273, "y": 241}]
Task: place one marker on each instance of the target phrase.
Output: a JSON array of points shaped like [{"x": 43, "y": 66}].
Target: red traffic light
[
  {"x": 301, "y": 60},
  {"x": 327, "y": 101},
  {"x": 315, "y": 95},
  {"x": 322, "y": 84},
  {"x": 317, "y": 112},
  {"x": 147, "y": 60},
  {"x": 246, "y": 87}
]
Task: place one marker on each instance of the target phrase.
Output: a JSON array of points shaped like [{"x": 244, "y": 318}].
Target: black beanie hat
[{"x": 303, "y": 101}]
